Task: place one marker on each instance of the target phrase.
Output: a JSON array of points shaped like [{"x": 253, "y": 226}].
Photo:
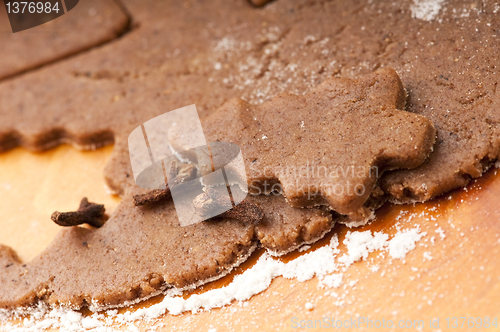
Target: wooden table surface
[{"x": 461, "y": 280}]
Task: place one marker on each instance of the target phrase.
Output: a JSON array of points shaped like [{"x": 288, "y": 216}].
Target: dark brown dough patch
[{"x": 102, "y": 21}]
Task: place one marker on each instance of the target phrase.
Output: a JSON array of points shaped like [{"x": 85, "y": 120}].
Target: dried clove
[
  {"x": 207, "y": 202},
  {"x": 87, "y": 213},
  {"x": 179, "y": 174},
  {"x": 156, "y": 195},
  {"x": 245, "y": 211}
]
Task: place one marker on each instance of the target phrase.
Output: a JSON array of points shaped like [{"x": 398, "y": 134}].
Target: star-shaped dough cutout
[{"x": 330, "y": 146}]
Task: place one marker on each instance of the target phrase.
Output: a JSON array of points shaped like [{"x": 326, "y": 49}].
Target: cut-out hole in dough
[{"x": 33, "y": 185}]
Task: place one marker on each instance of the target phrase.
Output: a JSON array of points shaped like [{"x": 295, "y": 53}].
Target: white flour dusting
[
  {"x": 403, "y": 242},
  {"x": 426, "y": 10},
  {"x": 332, "y": 280},
  {"x": 324, "y": 262},
  {"x": 360, "y": 244},
  {"x": 440, "y": 231}
]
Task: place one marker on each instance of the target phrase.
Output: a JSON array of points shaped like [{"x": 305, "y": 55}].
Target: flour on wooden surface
[{"x": 326, "y": 263}]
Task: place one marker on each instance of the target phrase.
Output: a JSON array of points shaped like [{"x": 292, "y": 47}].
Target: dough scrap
[
  {"x": 143, "y": 251},
  {"x": 102, "y": 21}
]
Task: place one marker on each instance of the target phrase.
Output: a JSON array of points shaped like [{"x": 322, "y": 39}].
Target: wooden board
[{"x": 461, "y": 280}]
